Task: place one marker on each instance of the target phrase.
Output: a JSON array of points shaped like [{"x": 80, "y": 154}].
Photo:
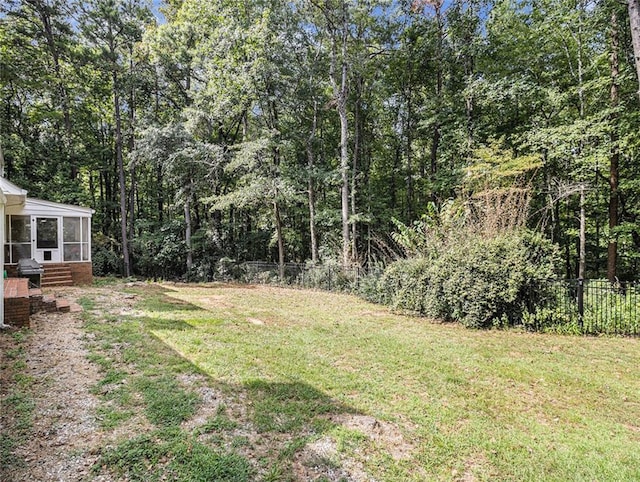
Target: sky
[{"x": 156, "y": 10}]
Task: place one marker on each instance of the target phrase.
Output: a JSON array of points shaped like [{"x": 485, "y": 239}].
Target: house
[
  {"x": 58, "y": 236},
  {"x": 55, "y": 235}
]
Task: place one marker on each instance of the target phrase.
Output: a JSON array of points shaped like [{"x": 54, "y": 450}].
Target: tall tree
[
  {"x": 113, "y": 26},
  {"x": 633, "y": 7},
  {"x": 336, "y": 23},
  {"x": 614, "y": 161}
]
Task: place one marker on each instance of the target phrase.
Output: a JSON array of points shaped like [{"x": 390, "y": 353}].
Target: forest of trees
[{"x": 309, "y": 130}]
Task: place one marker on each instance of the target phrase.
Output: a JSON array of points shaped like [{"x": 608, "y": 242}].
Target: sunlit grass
[{"x": 494, "y": 405}]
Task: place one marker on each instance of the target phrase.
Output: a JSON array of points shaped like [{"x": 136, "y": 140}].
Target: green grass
[
  {"x": 170, "y": 455},
  {"x": 217, "y": 423},
  {"x": 166, "y": 403},
  {"x": 16, "y": 402},
  {"x": 140, "y": 379},
  {"x": 297, "y": 367}
]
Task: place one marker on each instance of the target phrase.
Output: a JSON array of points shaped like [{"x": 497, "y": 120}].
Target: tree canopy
[{"x": 312, "y": 129}]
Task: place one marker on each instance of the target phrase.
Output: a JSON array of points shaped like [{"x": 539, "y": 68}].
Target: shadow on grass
[
  {"x": 159, "y": 300},
  {"x": 152, "y": 324},
  {"x": 289, "y": 407},
  {"x": 170, "y": 390},
  {"x": 165, "y": 303}
]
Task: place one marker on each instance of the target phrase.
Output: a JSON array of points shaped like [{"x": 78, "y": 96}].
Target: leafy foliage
[
  {"x": 217, "y": 131},
  {"x": 479, "y": 282}
]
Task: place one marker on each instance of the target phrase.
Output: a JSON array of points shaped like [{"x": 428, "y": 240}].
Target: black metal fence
[
  {"x": 591, "y": 306},
  {"x": 577, "y": 306},
  {"x": 324, "y": 277}
]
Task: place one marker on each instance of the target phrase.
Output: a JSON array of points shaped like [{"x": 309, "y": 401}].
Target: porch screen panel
[
  {"x": 86, "y": 235},
  {"x": 72, "y": 237},
  {"x": 75, "y": 238},
  {"x": 18, "y": 234}
]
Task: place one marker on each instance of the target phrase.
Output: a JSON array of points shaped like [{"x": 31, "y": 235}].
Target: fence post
[{"x": 581, "y": 303}]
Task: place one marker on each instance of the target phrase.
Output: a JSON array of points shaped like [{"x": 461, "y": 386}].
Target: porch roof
[
  {"x": 13, "y": 195},
  {"x": 39, "y": 206}
]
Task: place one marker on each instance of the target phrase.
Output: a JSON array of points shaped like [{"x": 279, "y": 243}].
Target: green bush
[
  {"x": 369, "y": 286},
  {"x": 160, "y": 252},
  {"x": 611, "y": 310},
  {"x": 105, "y": 256},
  {"x": 409, "y": 285},
  {"x": 479, "y": 282}
]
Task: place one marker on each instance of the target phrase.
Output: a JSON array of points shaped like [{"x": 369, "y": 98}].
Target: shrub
[
  {"x": 479, "y": 282},
  {"x": 414, "y": 284},
  {"x": 160, "y": 252},
  {"x": 105, "y": 256},
  {"x": 368, "y": 286},
  {"x": 226, "y": 269},
  {"x": 495, "y": 281}
]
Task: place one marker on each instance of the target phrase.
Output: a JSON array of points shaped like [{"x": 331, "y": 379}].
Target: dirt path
[{"x": 65, "y": 438}]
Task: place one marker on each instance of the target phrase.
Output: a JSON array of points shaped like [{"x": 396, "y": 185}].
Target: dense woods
[{"x": 310, "y": 130}]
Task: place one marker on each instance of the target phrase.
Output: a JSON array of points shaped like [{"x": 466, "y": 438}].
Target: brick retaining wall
[
  {"x": 17, "y": 307},
  {"x": 82, "y": 273}
]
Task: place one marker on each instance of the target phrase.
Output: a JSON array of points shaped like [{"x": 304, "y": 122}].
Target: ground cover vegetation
[
  {"x": 230, "y": 382},
  {"x": 219, "y": 132},
  {"x": 16, "y": 403}
]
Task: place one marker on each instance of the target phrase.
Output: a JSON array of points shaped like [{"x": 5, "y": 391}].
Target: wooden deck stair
[{"x": 58, "y": 274}]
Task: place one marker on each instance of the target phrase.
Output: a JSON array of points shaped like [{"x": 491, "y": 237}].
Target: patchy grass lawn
[
  {"x": 16, "y": 403},
  {"x": 226, "y": 382}
]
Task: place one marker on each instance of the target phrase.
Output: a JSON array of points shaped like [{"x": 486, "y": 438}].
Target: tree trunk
[
  {"x": 357, "y": 150},
  {"x": 187, "y": 231},
  {"x": 44, "y": 13},
  {"x": 159, "y": 193},
  {"x": 582, "y": 255},
  {"x": 340, "y": 37},
  {"x": 634, "y": 19},
  {"x": 131, "y": 143},
  {"x": 344, "y": 190},
  {"x": 469, "y": 70},
  {"x": 311, "y": 185},
  {"x": 312, "y": 221},
  {"x": 276, "y": 212},
  {"x": 435, "y": 138},
  {"x": 121, "y": 177},
  {"x": 409, "y": 132},
  {"x": 580, "y": 70},
  {"x": 612, "y": 252},
  {"x": 344, "y": 140},
  {"x": 133, "y": 192}
]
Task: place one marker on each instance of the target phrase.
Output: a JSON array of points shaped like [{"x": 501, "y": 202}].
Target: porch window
[
  {"x": 18, "y": 242},
  {"x": 75, "y": 239},
  {"x": 47, "y": 233}
]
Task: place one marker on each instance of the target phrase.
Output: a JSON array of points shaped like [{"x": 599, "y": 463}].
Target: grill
[{"x": 30, "y": 268}]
